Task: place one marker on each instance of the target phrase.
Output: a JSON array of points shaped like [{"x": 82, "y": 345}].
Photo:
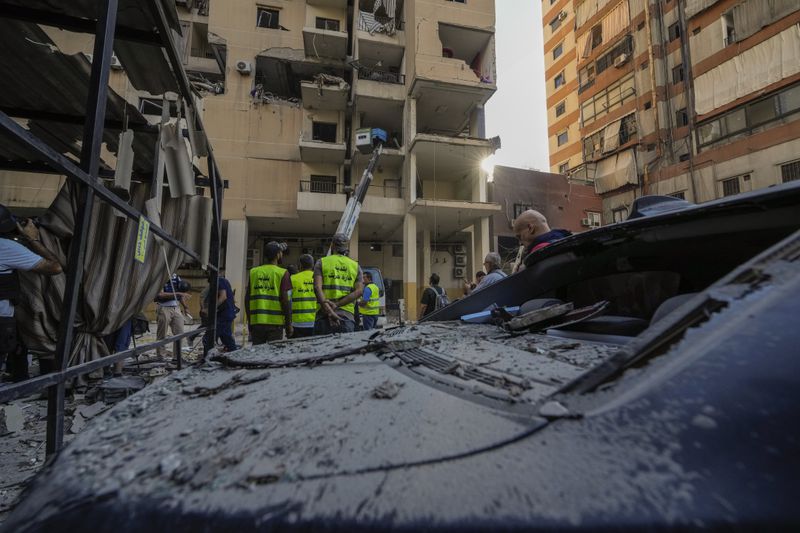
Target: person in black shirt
[{"x": 430, "y": 297}]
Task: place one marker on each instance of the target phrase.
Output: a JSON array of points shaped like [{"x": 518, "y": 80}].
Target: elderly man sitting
[{"x": 492, "y": 263}]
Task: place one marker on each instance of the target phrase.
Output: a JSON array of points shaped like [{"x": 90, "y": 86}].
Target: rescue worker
[
  {"x": 337, "y": 285},
  {"x": 304, "y": 302},
  {"x": 20, "y": 249},
  {"x": 370, "y": 303},
  {"x": 268, "y": 298}
]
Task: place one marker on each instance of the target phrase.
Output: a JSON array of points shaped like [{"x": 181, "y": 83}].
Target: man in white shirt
[{"x": 20, "y": 249}]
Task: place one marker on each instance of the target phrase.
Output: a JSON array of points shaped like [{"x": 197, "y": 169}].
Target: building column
[
  {"x": 426, "y": 256},
  {"x": 410, "y": 265},
  {"x": 236, "y": 263},
  {"x": 480, "y": 241},
  {"x": 354, "y": 244}
]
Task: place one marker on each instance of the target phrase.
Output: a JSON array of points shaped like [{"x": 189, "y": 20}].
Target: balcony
[
  {"x": 321, "y": 151},
  {"x": 330, "y": 197},
  {"x": 334, "y": 4},
  {"x": 448, "y": 217},
  {"x": 321, "y": 43},
  {"x": 318, "y": 95},
  {"x": 450, "y": 159}
]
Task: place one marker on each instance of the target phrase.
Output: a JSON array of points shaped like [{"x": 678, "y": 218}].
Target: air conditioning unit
[
  {"x": 253, "y": 257},
  {"x": 115, "y": 63},
  {"x": 562, "y": 15},
  {"x": 458, "y": 272},
  {"x": 585, "y": 222},
  {"x": 621, "y": 60},
  {"x": 459, "y": 249},
  {"x": 244, "y": 67},
  {"x": 461, "y": 260}
]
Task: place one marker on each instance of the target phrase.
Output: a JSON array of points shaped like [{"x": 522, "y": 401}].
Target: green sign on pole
[{"x": 141, "y": 239}]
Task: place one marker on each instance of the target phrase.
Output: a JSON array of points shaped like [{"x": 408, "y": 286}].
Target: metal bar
[
  {"x": 74, "y": 24},
  {"x": 63, "y": 165},
  {"x": 213, "y": 255},
  {"x": 176, "y": 352},
  {"x": 30, "y": 386},
  {"x": 63, "y": 118},
  {"x": 90, "y": 163}
]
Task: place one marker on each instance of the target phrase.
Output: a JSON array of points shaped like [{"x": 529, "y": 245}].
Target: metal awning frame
[{"x": 86, "y": 175}]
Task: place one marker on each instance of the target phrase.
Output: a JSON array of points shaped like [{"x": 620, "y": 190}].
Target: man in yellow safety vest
[
  {"x": 337, "y": 285},
  {"x": 370, "y": 303},
  {"x": 304, "y": 302},
  {"x": 268, "y": 298}
]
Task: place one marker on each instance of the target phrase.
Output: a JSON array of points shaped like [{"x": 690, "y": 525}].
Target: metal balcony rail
[
  {"x": 382, "y": 76},
  {"x": 324, "y": 187}
]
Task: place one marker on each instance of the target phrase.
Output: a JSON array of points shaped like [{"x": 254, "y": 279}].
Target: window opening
[
  {"x": 268, "y": 18},
  {"x": 323, "y": 131}
]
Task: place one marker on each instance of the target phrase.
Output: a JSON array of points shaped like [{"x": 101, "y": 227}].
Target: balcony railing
[
  {"x": 324, "y": 187},
  {"x": 327, "y": 187},
  {"x": 382, "y": 76}
]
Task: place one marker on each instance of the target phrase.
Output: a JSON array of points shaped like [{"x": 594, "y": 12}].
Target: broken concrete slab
[{"x": 12, "y": 419}]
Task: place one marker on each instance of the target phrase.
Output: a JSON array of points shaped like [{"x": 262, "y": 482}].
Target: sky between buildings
[{"x": 517, "y": 111}]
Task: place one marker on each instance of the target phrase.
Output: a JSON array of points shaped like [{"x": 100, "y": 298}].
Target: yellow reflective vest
[
  {"x": 339, "y": 274},
  {"x": 373, "y": 306},
  {"x": 304, "y": 302},
  {"x": 265, "y": 295}
]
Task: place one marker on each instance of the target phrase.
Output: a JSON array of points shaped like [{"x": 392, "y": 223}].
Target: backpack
[{"x": 441, "y": 297}]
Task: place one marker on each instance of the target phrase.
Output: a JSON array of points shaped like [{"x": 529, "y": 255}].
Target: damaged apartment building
[
  {"x": 286, "y": 84},
  {"x": 697, "y": 99}
]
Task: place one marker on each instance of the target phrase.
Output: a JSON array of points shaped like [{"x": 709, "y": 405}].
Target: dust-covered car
[{"x": 648, "y": 380}]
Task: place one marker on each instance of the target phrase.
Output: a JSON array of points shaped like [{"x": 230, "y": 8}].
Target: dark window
[
  {"x": 644, "y": 65},
  {"x": 563, "y": 168},
  {"x": 761, "y": 112},
  {"x": 552, "y": 2},
  {"x": 520, "y": 208},
  {"x": 790, "y": 171},
  {"x": 674, "y": 31},
  {"x": 627, "y": 129},
  {"x": 556, "y": 22},
  {"x": 677, "y": 74},
  {"x": 268, "y": 18},
  {"x": 648, "y": 104},
  {"x": 640, "y": 26},
  {"x": 683, "y": 157},
  {"x": 560, "y": 80},
  {"x": 323, "y": 184},
  {"x": 730, "y": 186},
  {"x": 620, "y": 214},
  {"x": 597, "y": 36},
  {"x": 563, "y": 138},
  {"x": 679, "y": 194},
  {"x": 397, "y": 250},
  {"x": 323, "y": 131},
  {"x": 458, "y": 1},
  {"x": 558, "y": 50},
  {"x": 681, "y": 118},
  {"x": 154, "y": 106},
  {"x": 327, "y": 24},
  {"x": 561, "y": 109}
]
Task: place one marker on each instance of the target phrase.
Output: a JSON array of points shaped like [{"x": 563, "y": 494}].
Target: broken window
[
  {"x": 323, "y": 131},
  {"x": 327, "y": 24},
  {"x": 472, "y": 46},
  {"x": 596, "y": 38},
  {"x": 268, "y": 17},
  {"x": 154, "y": 106},
  {"x": 627, "y": 129},
  {"x": 561, "y": 109},
  {"x": 323, "y": 184}
]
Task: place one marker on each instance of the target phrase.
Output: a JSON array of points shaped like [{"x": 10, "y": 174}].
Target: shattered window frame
[
  {"x": 153, "y": 106},
  {"x": 271, "y": 12}
]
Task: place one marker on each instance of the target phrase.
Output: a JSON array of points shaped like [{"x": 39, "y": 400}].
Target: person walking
[
  {"x": 268, "y": 298},
  {"x": 226, "y": 313},
  {"x": 304, "y": 302},
  {"x": 370, "y": 303},
  {"x": 20, "y": 249},
  {"x": 168, "y": 314},
  {"x": 337, "y": 285},
  {"x": 434, "y": 297}
]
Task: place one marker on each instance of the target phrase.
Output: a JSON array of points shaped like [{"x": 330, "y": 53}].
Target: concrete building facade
[
  {"x": 695, "y": 98},
  {"x": 285, "y": 86}
]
